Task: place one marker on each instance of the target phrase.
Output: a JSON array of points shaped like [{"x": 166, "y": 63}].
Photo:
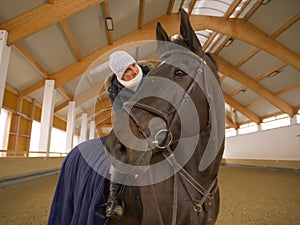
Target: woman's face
[{"x": 131, "y": 72}]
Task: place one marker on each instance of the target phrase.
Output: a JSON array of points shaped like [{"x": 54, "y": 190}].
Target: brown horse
[{"x": 169, "y": 138}]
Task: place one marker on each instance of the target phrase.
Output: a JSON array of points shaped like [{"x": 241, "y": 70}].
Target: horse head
[{"x": 171, "y": 108}]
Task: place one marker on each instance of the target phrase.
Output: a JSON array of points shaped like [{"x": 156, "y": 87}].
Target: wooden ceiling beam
[
  {"x": 283, "y": 28},
  {"x": 288, "y": 89},
  {"x": 78, "y": 68},
  {"x": 192, "y": 5},
  {"x": 222, "y": 45},
  {"x": 232, "y": 114},
  {"x": 61, "y": 106},
  {"x": 229, "y": 11},
  {"x": 142, "y": 13},
  {"x": 242, "y": 109},
  {"x": 247, "y": 32},
  {"x": 230, "y": 123},
  {"x": 103, "y": 116},
  {"x": 233, "y": 72},
  {"x": 106, "y": 122},
  {"x": 65, "y": 94},
  {"x": 90, "y": 93},
  {"x": 232, "y": 8},
  {"x": 259, "y": 78},
  {"x": 170, "y": 22},
  {"x": 253, "y": 9},
  {"x": 181, "y": 4},
  {"x": 99, "y": 106},
  {"x": 107, "y": 14},
  {"x": 171, "y": 6},
  {"x": 42, "y": 17},
  {"x": 71, "y": 39},
  {"x": 29, "y": 58}
]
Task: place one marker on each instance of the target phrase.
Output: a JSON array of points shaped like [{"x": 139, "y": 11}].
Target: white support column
[
  {"x": 47, "y": 116},
  {"x": 92, "y": 130},
  {"x": 293, "y": 120},
  {"x": 70, "y": 125},
  {"x": 259, "y": 128},
  {"x": 4, "y": 59},
  {"x": 83, "y": 129}
]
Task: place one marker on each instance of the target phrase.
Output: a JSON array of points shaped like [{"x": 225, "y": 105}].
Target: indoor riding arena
[{"x": 198, "y": 113}]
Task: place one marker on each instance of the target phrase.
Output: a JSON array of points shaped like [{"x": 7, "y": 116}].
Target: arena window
[
  {"x": 248, "y": 128},
  {"x": 280, "y": 120},
  {"x": 230, "y": 132}
]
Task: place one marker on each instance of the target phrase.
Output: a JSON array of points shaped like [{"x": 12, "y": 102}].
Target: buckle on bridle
[
  {"x": 169, "y": 136},
  {"x": 197, "y": 207}
]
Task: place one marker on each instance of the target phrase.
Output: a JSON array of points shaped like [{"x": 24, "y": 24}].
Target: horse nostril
[{"x": 123, "y": 150}]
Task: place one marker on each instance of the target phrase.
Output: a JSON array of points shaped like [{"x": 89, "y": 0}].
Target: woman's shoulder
[
  {"x": 110, "y": 80},
  {"x": 147, "y": 64}
]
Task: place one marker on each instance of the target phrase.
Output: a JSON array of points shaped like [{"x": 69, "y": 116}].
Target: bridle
[{"x": 170, "y": 118}]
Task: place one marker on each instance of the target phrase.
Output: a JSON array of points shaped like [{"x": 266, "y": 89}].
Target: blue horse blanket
[{"x": 80, "y": 188}]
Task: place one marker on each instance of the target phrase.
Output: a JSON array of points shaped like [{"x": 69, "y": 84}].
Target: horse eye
[{"x": 179, "y": 73}]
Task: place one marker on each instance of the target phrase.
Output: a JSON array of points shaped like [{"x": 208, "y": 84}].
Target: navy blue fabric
[{"x": 79, "y": 190}]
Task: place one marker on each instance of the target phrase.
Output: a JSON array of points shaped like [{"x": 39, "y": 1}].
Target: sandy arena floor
[{"x": 248, "y": 197}]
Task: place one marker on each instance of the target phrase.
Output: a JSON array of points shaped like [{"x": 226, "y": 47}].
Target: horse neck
[{"x": 192, "y": 166}]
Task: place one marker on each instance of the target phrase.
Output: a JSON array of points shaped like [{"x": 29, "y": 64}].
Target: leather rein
[{"x": 182, "y": 175}]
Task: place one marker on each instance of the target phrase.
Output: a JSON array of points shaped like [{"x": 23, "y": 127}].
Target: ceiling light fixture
[
  {"x": 109, "y": 23},
  {"x": 229, "y": 42},
  {"x": 265, "y": 2},
  {"x": 274, "y": 73},
  {"x": 241, "y": 91}
]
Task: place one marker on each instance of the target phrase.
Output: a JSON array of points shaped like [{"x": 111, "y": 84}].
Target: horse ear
[
  {"x": 161, "y": 34},
  {"x": 189, "y": 35},
  {"x": 162, "y": 37}
]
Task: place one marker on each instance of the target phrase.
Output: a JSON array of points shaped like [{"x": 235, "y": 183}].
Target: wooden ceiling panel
[
  {"x": 240, "y": 118},
  {"x": 124, "y": 21},
  {"x": 246, "y": 97},
  {"x": 70, "y": 87},
  {"x": 100, "y": 72},
  {"x": 38, "y": 95},
  {"x": 290, "y": 38},
  {"x": 160, "y": 8},
  {"x": 254, "y": 66},
  {"x": 211, "y": 8},
  {"x": 264, "y": 108},
  {"x": 229, "y": 85},
  {"x": 63, "y": 112},
  {"x": 82, "y": 86},
  {"x": 88, "y": 29},
  {"x": 21, "y": 74},
  {"x": 276, "y": 13},
  {"x": 286, "y": 77},
  {"x": 292, "y": 97},
  {"x": 91, "y": 103},
  {"x": 59, "y": 98},
  {"x": 50, "y": 49},
  {"x": 12, "y": 8},
  {"x": 236, "y": 51}
]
